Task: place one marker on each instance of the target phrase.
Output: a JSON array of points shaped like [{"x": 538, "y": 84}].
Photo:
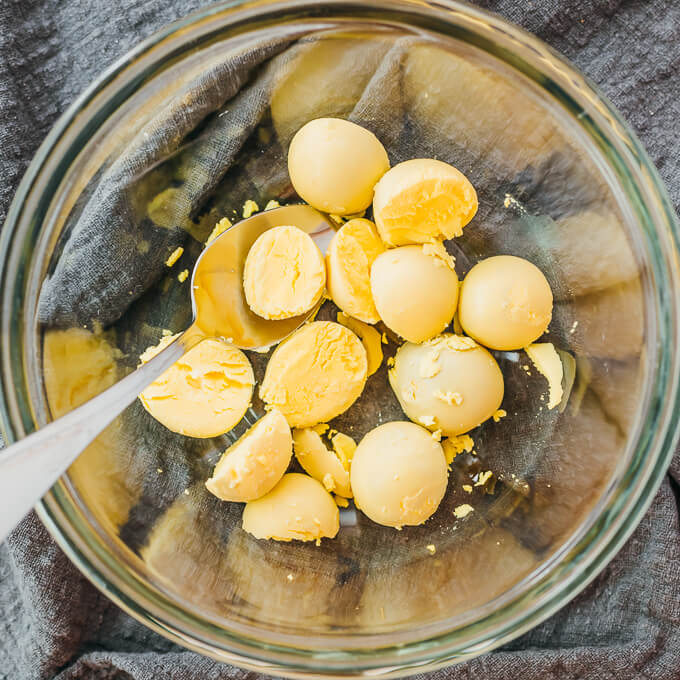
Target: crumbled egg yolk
[
  {"x": 250, "y": 207},
  {"x": 454, "y": 446},
  {"x": 218, "y": 229},
  {"x": 547, "y": 361},
  {"x": 463, "y": 510},
  {"x": 174, "y": 256}
]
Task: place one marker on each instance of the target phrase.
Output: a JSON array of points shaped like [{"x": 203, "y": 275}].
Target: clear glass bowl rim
[{"x": 611, "y": 522}]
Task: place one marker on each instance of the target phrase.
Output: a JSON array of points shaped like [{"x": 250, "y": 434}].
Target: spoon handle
[{"x": 32, "y": 465}]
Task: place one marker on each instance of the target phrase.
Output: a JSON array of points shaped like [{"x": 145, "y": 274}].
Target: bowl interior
[{"x": 149, "y": 180}]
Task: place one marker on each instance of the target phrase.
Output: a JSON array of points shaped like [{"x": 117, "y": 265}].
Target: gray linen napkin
[{"x": 53, "y": 623}]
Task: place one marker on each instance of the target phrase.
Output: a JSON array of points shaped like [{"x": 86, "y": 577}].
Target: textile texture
[{"x": 53, "y": 622}]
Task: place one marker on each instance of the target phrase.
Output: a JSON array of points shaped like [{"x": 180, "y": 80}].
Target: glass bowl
[{"x": 171, "y": 139}]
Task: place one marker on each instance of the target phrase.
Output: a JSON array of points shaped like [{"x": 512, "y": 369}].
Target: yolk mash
[{"x": 397, "y": 272}]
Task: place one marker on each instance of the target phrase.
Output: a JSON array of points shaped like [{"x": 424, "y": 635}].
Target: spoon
[{"x": 31, "y": 466}]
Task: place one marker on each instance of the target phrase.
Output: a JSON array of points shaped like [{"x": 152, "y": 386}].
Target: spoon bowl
[{"x": 217, "y": 297}]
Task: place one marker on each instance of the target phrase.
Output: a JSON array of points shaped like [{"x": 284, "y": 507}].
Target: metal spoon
[{"x": 31, "y": 466}]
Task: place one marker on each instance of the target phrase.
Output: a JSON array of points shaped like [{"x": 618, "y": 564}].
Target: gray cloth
[{"x": 53, "y": 623}]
